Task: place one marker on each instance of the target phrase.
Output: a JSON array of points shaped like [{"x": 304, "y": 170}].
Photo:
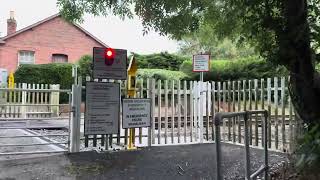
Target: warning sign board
[
  {"x": 104, "y": 69},
  {"x": 102, "y": 108},
  {"x": 136, "y": 113},
  {"x": 201, "y": 63}
]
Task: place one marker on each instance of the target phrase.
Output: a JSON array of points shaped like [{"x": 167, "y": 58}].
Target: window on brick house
[
  {"x": 59, "y": 58},
  {"x": 26, "y": 57}
]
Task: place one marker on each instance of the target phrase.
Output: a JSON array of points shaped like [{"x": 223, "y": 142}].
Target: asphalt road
[{"x": 184, "y": 162}]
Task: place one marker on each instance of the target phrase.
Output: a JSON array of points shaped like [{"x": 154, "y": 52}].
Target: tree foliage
[
  {"x": 284, "y": 31},
  {"x": 259, "y": 22}
]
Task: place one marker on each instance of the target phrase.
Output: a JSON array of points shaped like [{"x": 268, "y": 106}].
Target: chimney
[{"x": 11, "y": 24}]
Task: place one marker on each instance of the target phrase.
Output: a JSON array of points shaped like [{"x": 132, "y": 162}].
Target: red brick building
[{"x": 48, "y": 41}]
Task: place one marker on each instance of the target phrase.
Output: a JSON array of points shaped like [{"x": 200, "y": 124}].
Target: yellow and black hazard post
[{"x": 132, "y": 73}]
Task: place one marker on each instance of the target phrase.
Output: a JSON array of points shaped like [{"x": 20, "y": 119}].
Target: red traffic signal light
[{"x": 109, "y": 56}]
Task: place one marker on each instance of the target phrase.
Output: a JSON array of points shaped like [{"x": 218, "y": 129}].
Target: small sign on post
[
  {"x": 201, "y": 63},
  {"x": 136, "y": 113}
]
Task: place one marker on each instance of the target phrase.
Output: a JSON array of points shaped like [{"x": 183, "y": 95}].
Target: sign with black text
[
  {"x": 102, "y": 108},
  {"x": 201, "y": 63},
  {"x": 136, "y": 113}
]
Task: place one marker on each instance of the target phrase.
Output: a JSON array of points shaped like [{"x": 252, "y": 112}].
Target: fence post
[
  {"x": 23, "y": 101},
  {"x": 149, "y": 95},
  {"x": 246, "y": 145},
  {"x": 217, "y": 119},
  {"x": 54, "y": 100},
  {"x": 265, "y": 137},
  {"x": 76, "y": 117}
]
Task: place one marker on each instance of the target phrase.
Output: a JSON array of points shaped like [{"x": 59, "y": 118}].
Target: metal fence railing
[
  {"x": 218, "y": 122},
  {"x": 22, "y": 134}
]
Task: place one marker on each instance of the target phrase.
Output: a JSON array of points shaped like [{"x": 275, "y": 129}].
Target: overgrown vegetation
[
  {"x": 46, "y": 74},
  {"x": 163, "y": 60},
  {"x": 308, "y": 151},
  {"x": 243, "y": 68},
  {"x": 162, "y": 74}
]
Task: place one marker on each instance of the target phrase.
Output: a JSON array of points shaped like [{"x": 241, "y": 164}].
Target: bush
[
  {"x": 46, "y": 74},
  {"x": 308, "y": 150},
  {"x": 243, "y": 68},
  {"x": 162, "y": 60},
  {"x": 85, "y": 65},
  {"x": 162, "y": 74}
]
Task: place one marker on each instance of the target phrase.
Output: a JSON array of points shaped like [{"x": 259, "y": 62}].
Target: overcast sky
[{"x": 116, "y": 33}]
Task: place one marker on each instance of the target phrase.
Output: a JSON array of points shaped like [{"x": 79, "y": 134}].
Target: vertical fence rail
[
  {"x": 153, "y": 97},
  {"x": 179, "y": 110},
  {"x": 256, "y": 134},
  {"x": 207, "y": 89},
  {"x": 276, "y": 112},
  {"x": 191, "y": 111},
  {"x": 283, "y": 113},
  {"x": 269, "y": 110},
  {"x": 172, "y": 110},
  {"x": 166, "y": 111},
  {"x": 159, "y": 111},
  {"x": 213, "y": 104},
  {"x": 185, "y": 108}
]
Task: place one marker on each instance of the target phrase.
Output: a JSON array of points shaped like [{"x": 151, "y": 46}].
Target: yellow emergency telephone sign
[{"x": 11, "y": 81}]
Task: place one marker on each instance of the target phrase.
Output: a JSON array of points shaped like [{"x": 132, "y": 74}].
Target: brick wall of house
[{"x": 52, "y": 37}]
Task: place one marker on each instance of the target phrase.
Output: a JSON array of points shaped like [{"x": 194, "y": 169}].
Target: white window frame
[
  {"x": 26, "y": 62},
  {"x": 61, "y": 55}
]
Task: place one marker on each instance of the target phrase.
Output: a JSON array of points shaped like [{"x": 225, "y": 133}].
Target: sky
[{"x": 112, "y": 30}]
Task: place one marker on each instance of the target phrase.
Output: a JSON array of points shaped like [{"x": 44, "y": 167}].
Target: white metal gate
[{"x": 33, "y": 121}]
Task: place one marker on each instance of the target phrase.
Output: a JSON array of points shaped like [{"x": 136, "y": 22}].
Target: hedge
[
  {"x": 162, "y": 74},
  {"x": 163, "y": 60},
  {"x": 46, "y": 74},
  {"x": 244, "y": 68}
]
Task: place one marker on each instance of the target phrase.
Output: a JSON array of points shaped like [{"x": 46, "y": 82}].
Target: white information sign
[
  {"x": 201, "y": 63},
  {"x": 136, "y": 113},
  {"x": 117, "y": 70},
  {"x": 102, "y": 108}
]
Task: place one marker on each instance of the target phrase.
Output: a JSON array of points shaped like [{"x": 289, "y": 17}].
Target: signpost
[
  {"x": 109, "y": 64},
  {"x": 136, "y": 113},
  {"x": 102, "y": 108},
  {"x": 201, "y": 63}
]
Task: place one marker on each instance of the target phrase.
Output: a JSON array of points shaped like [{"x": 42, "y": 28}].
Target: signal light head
[
  {"x": 109, "y": 56},
  {"x": 109, "y": 53}
]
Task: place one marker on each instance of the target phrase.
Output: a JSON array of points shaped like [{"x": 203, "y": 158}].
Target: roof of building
[{"x": 46, "y": 20}]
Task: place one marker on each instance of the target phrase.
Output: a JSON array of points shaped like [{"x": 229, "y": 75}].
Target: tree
[
  {"x": 205, "y": 40},
  {"x": 283, "y": 31}
]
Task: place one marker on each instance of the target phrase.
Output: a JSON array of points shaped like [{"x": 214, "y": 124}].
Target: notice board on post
[
  {"x": 201, "y": 63},
  {"x": 136, "y": 113},
  {"x": 102, "y": 108},
  {"x": 116, "y": 70}
]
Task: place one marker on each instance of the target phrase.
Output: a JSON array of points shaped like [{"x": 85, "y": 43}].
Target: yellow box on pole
[
  {"x": 11, "y": 81},
  {"x": 132, "y": 73}
]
